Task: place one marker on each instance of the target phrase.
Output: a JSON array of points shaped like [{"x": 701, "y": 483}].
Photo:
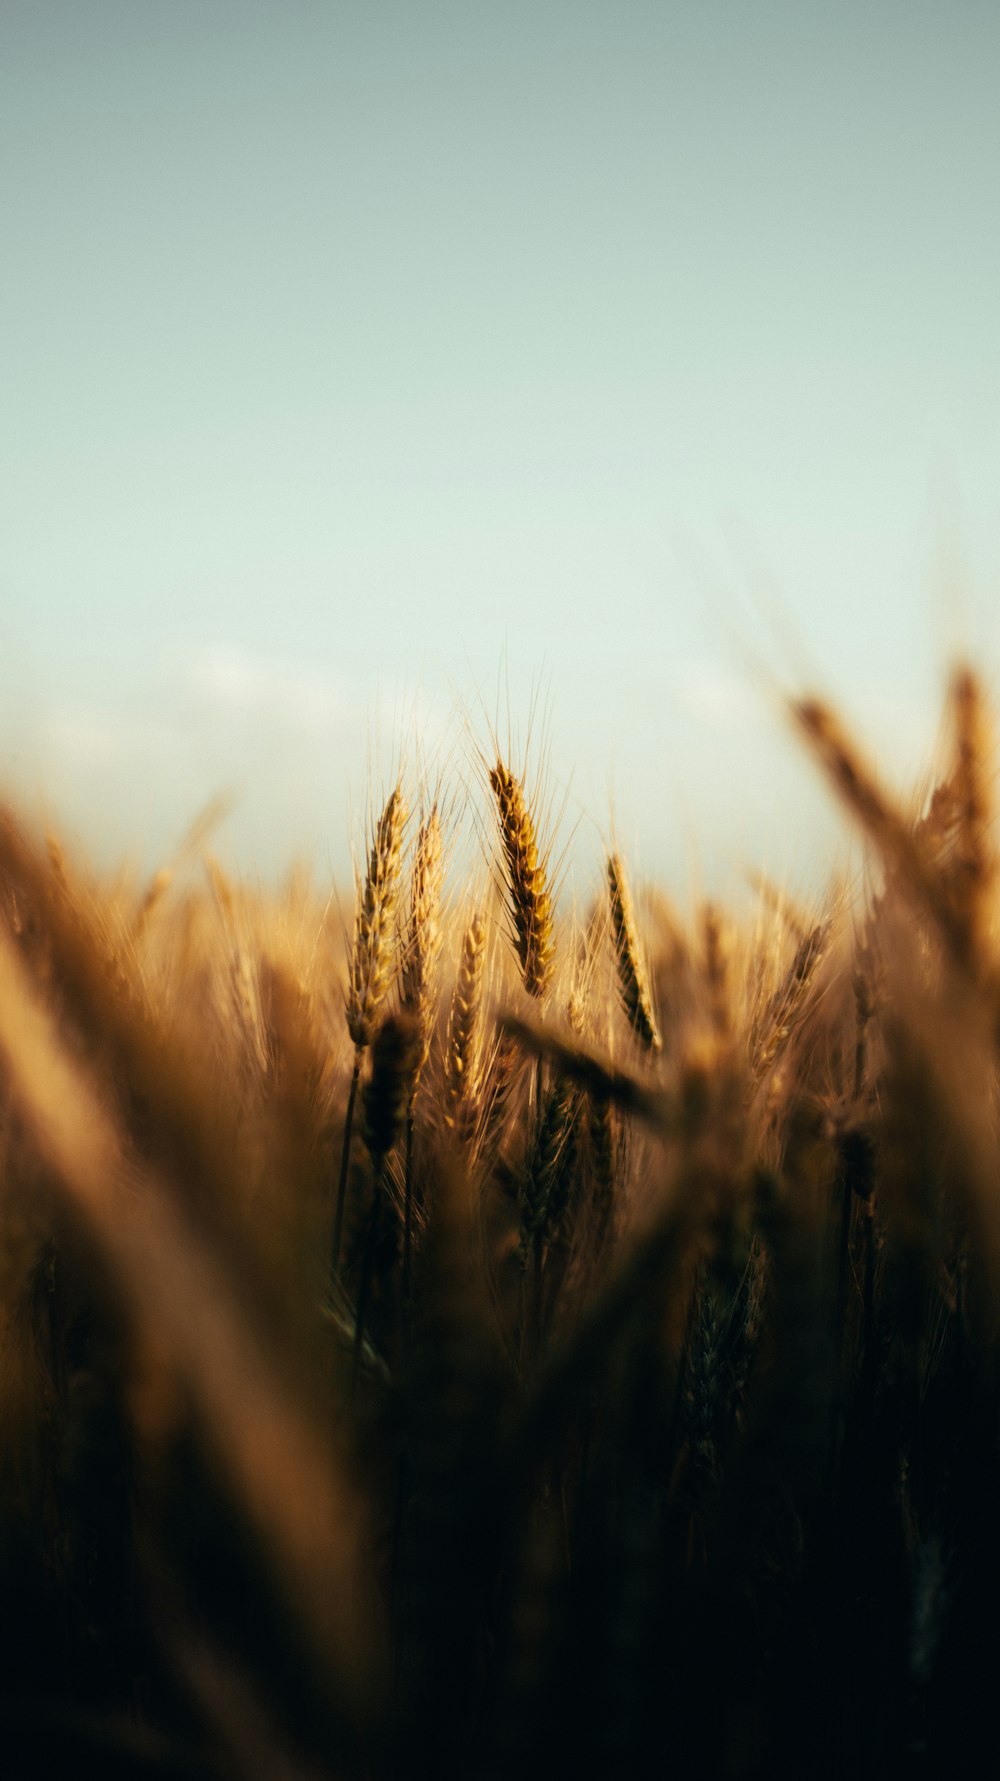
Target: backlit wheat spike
[
  {"x": 423, "y": 938},
  {"x": 461, "y": 1047},
  {"x": 632, "y": 980},
  {"x": 422, "y": 945},
  {"x": 530, "y": 905},
  {"x": 371, "y": 962},
  {"x": 371, "y": 971}
]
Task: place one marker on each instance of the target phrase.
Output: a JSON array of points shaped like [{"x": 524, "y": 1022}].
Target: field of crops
[{"x": 495, "y": 1341}]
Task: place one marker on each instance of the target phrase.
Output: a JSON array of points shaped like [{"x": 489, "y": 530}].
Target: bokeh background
[{"x": 374, "y": 373}]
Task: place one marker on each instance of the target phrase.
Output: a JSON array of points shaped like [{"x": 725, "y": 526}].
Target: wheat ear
[
  {"x": 423, "y": 937},
  {"x": 371, "y": 969},
  {"x": 423, "y": 943},
  {"x": 371, "y": 959},
  {"x": 530, "y": 904},
  {"x": 461, "y": 1047},
  {"x": 632, "y": 980},
  {"x": 772, "y": 1030},
  {"x": 387, "y": 1089}
]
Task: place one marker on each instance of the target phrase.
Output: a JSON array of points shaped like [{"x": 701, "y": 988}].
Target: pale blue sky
[{"x": 356, "y": 357}]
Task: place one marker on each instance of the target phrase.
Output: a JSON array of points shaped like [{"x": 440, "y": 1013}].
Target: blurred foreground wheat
[{"x": 498, "y": 1347}]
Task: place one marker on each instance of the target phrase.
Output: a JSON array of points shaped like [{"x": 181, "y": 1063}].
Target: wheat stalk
[{"x": 386, "y": 1096}]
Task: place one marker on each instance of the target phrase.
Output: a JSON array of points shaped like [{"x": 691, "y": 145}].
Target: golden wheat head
[
  {"x": 461, "y": 1046},
  {"x": 423, "y": 938},
  {"x": 530, "y": 904},
  {"x": 371, "y": 961},
  {"x": 633, "y": 982}
]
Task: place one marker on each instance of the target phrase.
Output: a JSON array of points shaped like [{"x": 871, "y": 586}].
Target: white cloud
[
  {"x": 83, "y": 734},
  {"x": 289, "y": 693},
  {"x": 715, "y": 696}
]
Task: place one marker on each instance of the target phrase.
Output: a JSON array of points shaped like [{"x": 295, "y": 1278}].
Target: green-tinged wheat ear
[
  {"x": 371, "y": 960},
  {"x": 423, "y": 937},
  {"x": 530, "y": 904},
  {"x": 462, "y": 1044},
  {"x": 633, "y": 982},
  {"x": 394, "y": 1054}
]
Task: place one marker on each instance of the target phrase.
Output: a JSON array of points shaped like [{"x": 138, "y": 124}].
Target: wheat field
[{"x": 500, "y": 1340}]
